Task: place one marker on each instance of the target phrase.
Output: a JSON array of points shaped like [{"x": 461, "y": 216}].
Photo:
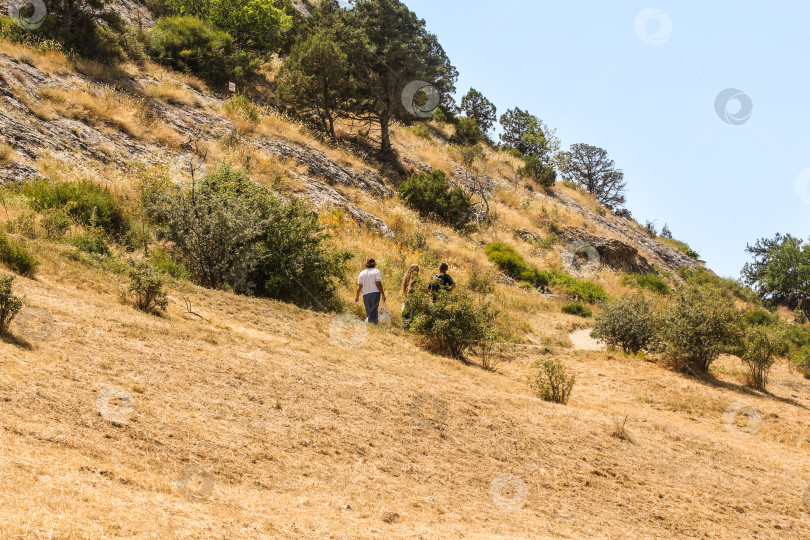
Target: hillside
[{"x": 294, "y": 423}]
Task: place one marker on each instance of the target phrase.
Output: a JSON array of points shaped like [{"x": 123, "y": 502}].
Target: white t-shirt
[{"x": 368, "y": 279}]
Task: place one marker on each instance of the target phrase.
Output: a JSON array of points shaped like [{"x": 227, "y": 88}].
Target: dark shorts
[{"x": 372, "y": 303}]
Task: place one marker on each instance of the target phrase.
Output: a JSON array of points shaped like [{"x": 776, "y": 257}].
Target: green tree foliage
[
  {"x": 454, "y": 323},
  {"x": 780, "y": 271},
  {"x": 627, "y": 323},
  {"x": 591, "y": 167},
  {"x": 528, "y": 135},
  {"x": 314, "y": 81},
  {"x": 730, "y": 288},
  {"x": 553, "y": 382},
  {"x": 394, "y": 49},
  {"x": 801, "y": 358},
  {"x": 10, "y": 304},
  {"x": 699, "y": 326},
  {"x": 231, "y": 231},
  {"x": 760, "y": 348},
  {"x": 433, "y": 197},
  {"x": 256, "y": 25},
  {"x": 192, "y": 45},
  {"x": 479, "y": 108}
]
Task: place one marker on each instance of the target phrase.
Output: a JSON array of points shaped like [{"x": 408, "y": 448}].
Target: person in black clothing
[{"x": 441, "y": 281}]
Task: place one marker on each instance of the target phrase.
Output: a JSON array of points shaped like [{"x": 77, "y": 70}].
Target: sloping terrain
[{"x": 247, "y": 418}]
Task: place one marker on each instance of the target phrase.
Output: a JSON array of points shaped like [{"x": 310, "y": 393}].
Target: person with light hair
[
  {"x": 369, "y": 282},
  {"x": 408, "y": 285}
]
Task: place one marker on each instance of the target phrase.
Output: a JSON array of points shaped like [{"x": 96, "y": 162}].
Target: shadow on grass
[{"x": 11, "y": 339}]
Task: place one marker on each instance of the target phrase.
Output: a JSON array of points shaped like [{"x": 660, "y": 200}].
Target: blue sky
[{"x": 648, "y": 98}]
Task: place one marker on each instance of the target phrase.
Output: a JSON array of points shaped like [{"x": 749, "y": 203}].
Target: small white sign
[{"x": 232, "y": 87}]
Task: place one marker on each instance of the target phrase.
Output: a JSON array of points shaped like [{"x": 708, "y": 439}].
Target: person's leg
[{"x": 372, "y": 303}]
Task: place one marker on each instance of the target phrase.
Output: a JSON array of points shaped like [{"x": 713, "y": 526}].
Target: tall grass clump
[
  {"x": 652, "y": 282},
  {"x": 16, "y": 256},
  {"x": 553, "y": 382}
]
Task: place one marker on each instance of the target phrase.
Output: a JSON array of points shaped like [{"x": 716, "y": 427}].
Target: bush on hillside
[
  {"x": 538, "y": 171},
  {"x": 587, "y": 291},
  {"x": 433, "y": 197},
  {"x": 10, "y": 305},
  {"x": 454, "y": 323},
  {"x": 234, "y": 232},
  {"x": 17, "y": 257},
  {"x": 801, "y": 359},
  {"x": 91, "y": 241},
  {"x": 730, "y": 288},
  {"x": 628, "y": 323},
  {"x": 553, "y": 382},
  {"x": 481, "y": 282},
  {"x": 760, "y": 348},
  {"x": 467, "y": 132},
  {"x": 577, "y": 309},
  {"x": 146, "y": 288},
  {"x": 191, "y": 45},
  {"x": 652, "y": 282},
  {"x": 700, "y": 325},
  {"x": 85, "y": 202},
  {"x": 760, "y": 317},
  {"x": 240, "y": 106},
  {"x": 511, "y": 263}
]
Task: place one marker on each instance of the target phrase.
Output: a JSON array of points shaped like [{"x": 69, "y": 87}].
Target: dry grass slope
[{"x": 255, "y": 419}]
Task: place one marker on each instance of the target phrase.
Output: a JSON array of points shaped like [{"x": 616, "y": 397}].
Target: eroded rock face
[
  {"x": 668, "y": 257},
  {"x": 319, "y": 164},
  {"x": 322, "y": 196},
  {"x": 612, "y": 253}
]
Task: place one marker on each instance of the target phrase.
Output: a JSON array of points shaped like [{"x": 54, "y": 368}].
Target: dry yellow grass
[
  {"x": 297, "y": 434},
  {"x": 252, "y": 418}
]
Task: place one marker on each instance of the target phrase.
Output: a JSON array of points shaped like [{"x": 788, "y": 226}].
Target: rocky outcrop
[
  {"x": 322, "y": 197},
  {"x": 319, "y": 164},
  {"x": 612, "y": 253},
  {"x": 659, "y": 253}
]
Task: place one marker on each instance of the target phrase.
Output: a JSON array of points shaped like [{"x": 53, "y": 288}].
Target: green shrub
[
  {"x": 17, "y": 257},
  {"x": 481, "y": 282},
  {"x": 729, "y": 287},
  {"x": 652, "y": 282},
  {"x": 91, "y": 241},
  {"x": 25, "y": 224},
  {"x": 801, "y": 358},
  {"x": 578, "y": 309},
  {"x": 56, "y": 222},
  {"x": 454, "y": 322},
  {"x": 760, "y": 348},
  {"x": 511, "y": 263},
  {"x": 467, "y": 132},
  {"x": 552, "y": 382},
  {"x": 431, "y": 195},
  {"x": 161, "y": 260},
  {"x": 85, "y": 202},
  {"x": 241, "y": 107},
  {"x": 587, "y": 291},
  {"x": 628, "y": 323},
  {"x": 538, "y": 171},
  {"x": 700, "y": 325},
  {"x": 146, "y": 288},
  {"x": 421, "y": 131},
  {"x": 236, "y": 233},
  {"x": 760, "y": 317},
  {"x": 10, "y": 305},
  {"x": 191, "y": 45}
]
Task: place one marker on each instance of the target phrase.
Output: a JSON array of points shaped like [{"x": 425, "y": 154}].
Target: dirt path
[{"x": 582, "y": 341}]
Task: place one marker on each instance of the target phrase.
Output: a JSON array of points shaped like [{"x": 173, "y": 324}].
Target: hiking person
[
  {"x": 408, "y": 285},
  {"x": 441, "y": 281},
  {"x": 369, "y": 282}
]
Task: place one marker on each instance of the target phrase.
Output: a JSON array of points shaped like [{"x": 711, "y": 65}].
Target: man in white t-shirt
[{"x": 370, "y": 284}]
